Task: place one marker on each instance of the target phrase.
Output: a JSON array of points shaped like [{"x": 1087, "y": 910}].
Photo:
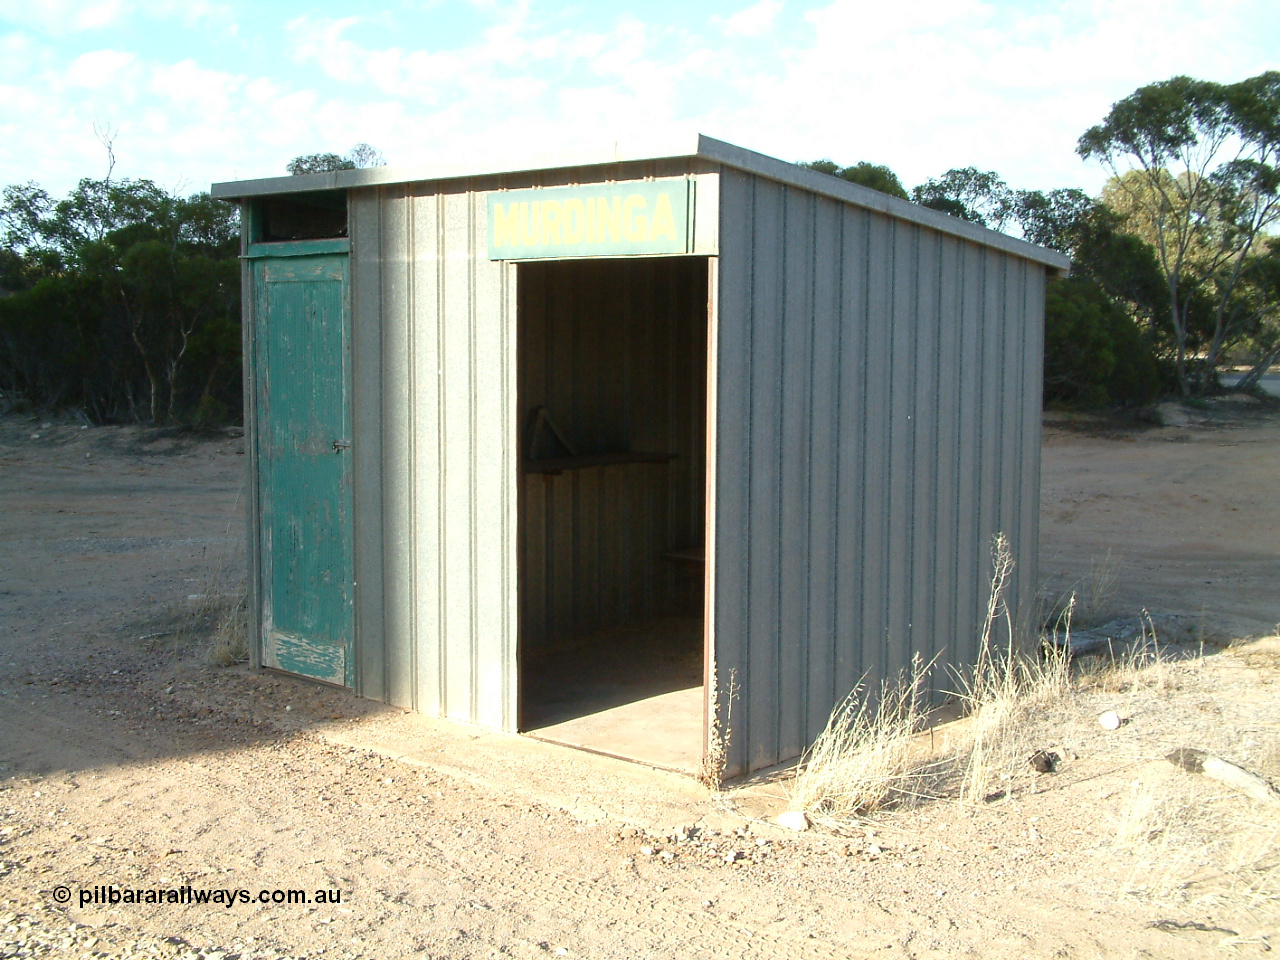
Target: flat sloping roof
[{"x": 702, "y": 148}]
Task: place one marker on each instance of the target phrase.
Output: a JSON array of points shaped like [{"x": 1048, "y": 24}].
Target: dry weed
[
  {"x": 1007, "y": 722},
  {"x": 711, "y": 769},
  {"x": 218, "y": 615},
  {"x": 1269, "y": 760},
  {"x": 1007, "y": 692},
  {"x": 868, "y": 758},
  {"x": 1091, "y": 599},
  {"x": 231, "y": 636},
  {"x": 1098, "y": 590},
  {"x": 1143, "y": 664},
  {"x": 1192, "y": 845}
]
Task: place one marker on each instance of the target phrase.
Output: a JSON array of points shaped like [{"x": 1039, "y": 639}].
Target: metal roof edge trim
[
  {"x": 465, "y": 169},
  {"x": 703, "y": 147},
  {"x": 826, "y": 185}
]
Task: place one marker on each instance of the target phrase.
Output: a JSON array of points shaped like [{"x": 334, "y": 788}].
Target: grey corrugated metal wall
[
  {"x": 877, "y": 395},
  {"x": 434, "y": 388},
  {"x": 615, "y": 350},
  {"x": 436, "y": 439}
]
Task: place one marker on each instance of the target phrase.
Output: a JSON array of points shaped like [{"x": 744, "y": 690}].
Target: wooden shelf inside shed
[
  {"x": 554, "y": 465},
  {"x": 688, "y": 555}
]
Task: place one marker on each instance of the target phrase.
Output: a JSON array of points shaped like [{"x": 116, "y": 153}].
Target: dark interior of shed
[
  {"x": 612, "y": 361},
  {"x": 302, "y": 216}
]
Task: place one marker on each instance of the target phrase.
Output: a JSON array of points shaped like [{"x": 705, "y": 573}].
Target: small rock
[
  {"x": 1110, "y": 720},
  {"x": 647, "y": 851},
  {"x": 1044, "y": 761},
  {"x": 792, "y": 820},
  {"x": 733, "y": 856},
  {"x": 35, "y": 436}
]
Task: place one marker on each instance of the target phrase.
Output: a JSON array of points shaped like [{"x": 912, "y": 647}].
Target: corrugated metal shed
[{"x": 845, "y": 388}]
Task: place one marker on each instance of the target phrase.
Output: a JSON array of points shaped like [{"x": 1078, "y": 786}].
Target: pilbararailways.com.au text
[{"x": 111, "y": 895}]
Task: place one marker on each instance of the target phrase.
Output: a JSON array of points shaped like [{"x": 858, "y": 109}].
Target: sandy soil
[
  {"x": 1189, "y": 513},
  {"x": 126, "y": 758}
]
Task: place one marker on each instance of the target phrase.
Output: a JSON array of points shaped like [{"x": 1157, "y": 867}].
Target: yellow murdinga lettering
[
  {"x": 506, "y": 225},
  {"x": 575, "y": 213},
  {"x": 552, "y": 214},
  {"x": 529, "y": 224},
  {"x": 591, "y": 221},
  {"x": 609, "y": 218},
  {"x": 664, "y": 220},
  {"x": 636, "y": 225}
]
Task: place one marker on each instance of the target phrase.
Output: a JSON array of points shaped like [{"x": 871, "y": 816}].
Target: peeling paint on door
[{"x": 304, "y": 436}]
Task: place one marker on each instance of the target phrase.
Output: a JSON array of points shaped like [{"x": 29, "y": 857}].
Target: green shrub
[{"x": 1095, "y": 353}]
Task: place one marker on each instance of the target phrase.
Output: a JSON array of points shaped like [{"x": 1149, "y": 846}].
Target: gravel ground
[{"x": 128, "y": 759}]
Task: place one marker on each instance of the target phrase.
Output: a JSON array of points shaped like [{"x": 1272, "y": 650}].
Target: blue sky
[{"x": 202, "y": 90}]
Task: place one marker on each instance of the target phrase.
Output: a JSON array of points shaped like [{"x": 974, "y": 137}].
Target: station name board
[{"x": 601, "y": 220}]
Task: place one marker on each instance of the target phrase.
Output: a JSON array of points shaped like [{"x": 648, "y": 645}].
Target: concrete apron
[{"x": 590, "y": 787}]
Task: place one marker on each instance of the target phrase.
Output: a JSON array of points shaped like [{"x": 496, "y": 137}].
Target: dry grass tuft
[
  {"x": 868, "y": 758},
  {"x": 714, "y": 761},
  {"x": 231, "y": 636},
  {"x": 216, "y": 622},
  {"x": 1091, "y": 599},
  {"x": 1183, "y": 840},
  {"x": 1193, "y": 845},
  {"x": 1143, "y": 664},
  {"x": 1007, "y": 691},
  {"x": 1097, "y": 592}
]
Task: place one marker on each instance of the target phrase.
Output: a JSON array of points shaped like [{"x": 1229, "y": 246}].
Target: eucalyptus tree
[
  {"x": 874, "y": 175},
  {"x": 1196, "y": 163},
  {"x": 121, "y": 298},
  {"x": 358, "y": 158}
]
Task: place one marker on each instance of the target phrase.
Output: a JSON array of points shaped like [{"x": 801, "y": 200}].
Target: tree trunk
[
  {"x": 1180, "y": 337},
  {"x": 1256, "y": 372}
]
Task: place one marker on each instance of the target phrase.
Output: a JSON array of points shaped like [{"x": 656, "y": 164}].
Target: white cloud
[
  {"x": 922, "y": 87},
  {"x": 191, "y": 87},
  {"x": 95, "y": 16},
  {"x": 99, "y": 69},
  {"x": 60, "y": 17},
  {"x": 753, "y": 21},
  {"x": 929, "y": 85}
]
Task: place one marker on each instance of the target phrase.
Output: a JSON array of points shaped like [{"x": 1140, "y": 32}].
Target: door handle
[{"x": 340, "y": 445}]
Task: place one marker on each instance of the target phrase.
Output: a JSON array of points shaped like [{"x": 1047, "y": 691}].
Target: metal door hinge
[{"x": 340, "y": 445}]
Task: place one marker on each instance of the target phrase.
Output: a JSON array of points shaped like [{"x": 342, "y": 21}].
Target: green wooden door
[{"x": 304, "y": 465}]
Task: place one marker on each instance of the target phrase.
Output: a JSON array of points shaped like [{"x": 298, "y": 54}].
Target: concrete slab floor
[
  {"x": 619, "y": 739},
  {"x": 632, "y": 691},
  {"x": 588, "y": 786},
  {"x": 663, "y": 731}
]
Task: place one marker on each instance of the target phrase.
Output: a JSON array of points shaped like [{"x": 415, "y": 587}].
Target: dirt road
[{"x": 127, "y": 759}]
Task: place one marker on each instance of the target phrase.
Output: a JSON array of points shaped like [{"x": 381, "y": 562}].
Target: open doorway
[{"x": 612, "y": 381}]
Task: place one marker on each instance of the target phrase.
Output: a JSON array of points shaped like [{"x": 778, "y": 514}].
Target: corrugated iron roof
[{"x": 701, "y": 147}]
